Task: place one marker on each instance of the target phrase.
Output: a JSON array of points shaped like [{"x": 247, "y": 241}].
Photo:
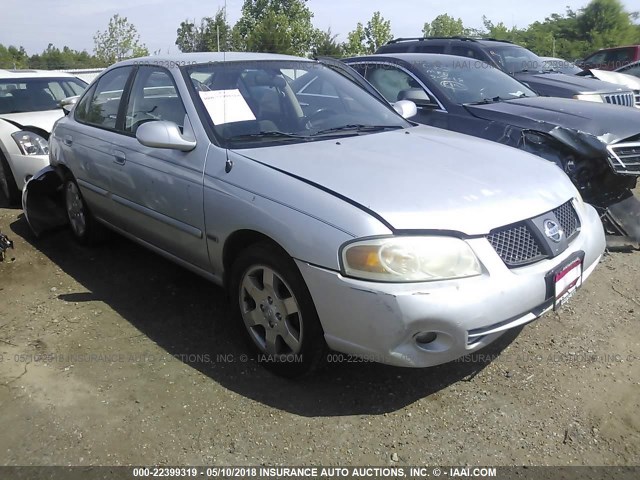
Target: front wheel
[
  {"x": 275, "y": 308},
  {"x": 84, "y": 227},
  {"x": 7, "y": 182}
]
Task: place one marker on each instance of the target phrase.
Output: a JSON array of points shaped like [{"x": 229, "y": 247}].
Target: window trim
[
  {"x": 125, "y": 94},
  {"x": 442, "y": 109}
]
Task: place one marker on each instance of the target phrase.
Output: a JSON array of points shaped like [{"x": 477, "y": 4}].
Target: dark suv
[{"x": 519, "y": 62}]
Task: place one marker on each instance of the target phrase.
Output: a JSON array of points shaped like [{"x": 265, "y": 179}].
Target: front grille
[
  {"x": 636, "y": 98},
  {"x": 516, "y": 245},
  {"x": 624, "y": 158},
  {"x": 626, "y": 99},
  {"x": 568, "y": 219}
]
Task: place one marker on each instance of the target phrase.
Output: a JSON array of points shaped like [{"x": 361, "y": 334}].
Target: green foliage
[
  {"x": 443, "y": 26},
  {"x": 367, "y": 39},
  {"x": 13, "y": 57},
  {"x": 204, "y": 38},
  {"x": 118, "y": 42},
  {"x": 277, "y": 26},
  {"x": 325, "y": 44}
]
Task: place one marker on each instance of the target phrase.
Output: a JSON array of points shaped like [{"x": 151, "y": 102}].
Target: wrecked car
[
  {"x": 596, "y": 145},
  {"x": 29, "y": 106},
  {"x": 332, "y": 221}
]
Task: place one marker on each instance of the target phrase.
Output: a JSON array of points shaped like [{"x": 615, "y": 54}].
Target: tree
[
  {"x": 355, "y": 42},
  {"x": 325, "y": 45},
  {"x": 13, "y": 57},
  {"x": 204, "y": 38},
  {"x": 118, "y": 42},
  {"x": 443, "y": 26},
  {"x": 282, "y": 26},
  {"x": 605, "y": 23},
  {"x": 367, "y": 39},
  {"x": 377, "y": 32}
]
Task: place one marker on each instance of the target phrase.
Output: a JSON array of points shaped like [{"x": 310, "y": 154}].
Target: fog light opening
[{"x": 425, "y": 338}]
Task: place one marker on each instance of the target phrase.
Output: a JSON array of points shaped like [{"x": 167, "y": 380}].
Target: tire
[
  {"x": 84, "y": 227},
  {"x": 8, "y": 184},
  {"x": 274, "y": 309}
]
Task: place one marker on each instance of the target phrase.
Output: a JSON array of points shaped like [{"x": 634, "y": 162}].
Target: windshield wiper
[
  {"x": 487, "y": 100},
  {"x": 355, "y": 129},
  {"x": 272, "y": 134}
]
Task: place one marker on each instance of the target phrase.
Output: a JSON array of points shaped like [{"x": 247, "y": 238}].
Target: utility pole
[{"x": 218, "y": 35}]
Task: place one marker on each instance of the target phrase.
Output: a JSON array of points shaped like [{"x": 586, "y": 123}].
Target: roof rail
[{"x": 453, "y": 37}]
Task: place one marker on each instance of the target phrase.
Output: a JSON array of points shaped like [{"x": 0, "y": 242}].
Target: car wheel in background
[
  {"x": 275, "y": 309},
  {"x": 8, "y": 184}
]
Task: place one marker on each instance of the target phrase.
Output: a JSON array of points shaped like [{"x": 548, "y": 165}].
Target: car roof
[
  {"x": 181, "y": 59},
  {"x": 10, "y": 74},
  {"x": 453, "y": 38},
  {"x": 413, "y": 57}
]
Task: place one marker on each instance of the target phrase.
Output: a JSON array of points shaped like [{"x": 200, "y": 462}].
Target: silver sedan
[{"x": 333, "y": 222}]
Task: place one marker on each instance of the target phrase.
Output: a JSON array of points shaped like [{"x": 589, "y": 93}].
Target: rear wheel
[
  {"x": 8, "y": 184},
  {"x": 84, "y": 226},
  {"x": 276, "y": 311}
]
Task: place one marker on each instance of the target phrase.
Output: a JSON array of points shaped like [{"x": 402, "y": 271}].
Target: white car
[{"x": 29, "y": 106}]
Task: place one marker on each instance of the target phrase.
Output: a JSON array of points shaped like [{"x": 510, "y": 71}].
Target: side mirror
[
  {"x": 406, "y": 108},
  {"x": 417, "y": 96},
  {"x": 163, "y": 134},
  {"x": 66, "y": 104}
]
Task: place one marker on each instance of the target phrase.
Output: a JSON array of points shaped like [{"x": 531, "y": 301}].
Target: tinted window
[
  {"x": 634, "y": 70},
  {"x": 619, "y": 57},
  {"x": 514, "y": 59},
  {"x": 469, "y": 81},
  {"x": 102, "y": 109},
  {"x": 390, "y": 81},
  {"x": 429, "y": 48},
  {"x": 37, "y": 94},
  {"x": 463, "y": 51},
  {"x": 153, "y": 97}
]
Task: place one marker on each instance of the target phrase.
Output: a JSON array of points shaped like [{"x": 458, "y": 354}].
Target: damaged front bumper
[
  {"x": 623, "y": 220},
  {"x": 42, "y": 201}
]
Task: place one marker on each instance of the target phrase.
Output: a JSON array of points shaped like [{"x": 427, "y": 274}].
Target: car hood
[
  {"x": 628, "y": 81},
  {"x": 43, "y": 120},
  {"x": 572, "y": 84},
  {"x": 609, "y": 123},
  {"x": 429, "y": 179}
]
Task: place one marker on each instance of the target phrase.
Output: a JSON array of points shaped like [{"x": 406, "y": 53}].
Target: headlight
[
  {"x": 409, "y": 259},
  {"x": 589, "y": 97},
  {"x": 31, "y": 143}
]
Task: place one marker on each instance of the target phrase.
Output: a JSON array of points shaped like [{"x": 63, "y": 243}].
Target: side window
[
  {"x": 390, "y": 81},
  {"x": 102, "y": 108},
  {"x": 429, "y": 48},
  {"x": 463, "y": 51},
  {"x": 596, "y": 58},
  {"x": 618, "y": 58},
  {"x": 153, "y": 97}
]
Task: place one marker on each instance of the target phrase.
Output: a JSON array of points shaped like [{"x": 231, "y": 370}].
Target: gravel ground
[{"x": 114, "y": 356}]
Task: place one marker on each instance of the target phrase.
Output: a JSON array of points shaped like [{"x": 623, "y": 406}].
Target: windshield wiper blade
[
  {"x": 271, "y": 134},
  {"x": 487, "y": 100},
  {"x": 350, "y": 129}
]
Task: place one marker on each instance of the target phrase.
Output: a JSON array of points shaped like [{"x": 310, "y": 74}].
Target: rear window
[{"x": 37, "y": 94}]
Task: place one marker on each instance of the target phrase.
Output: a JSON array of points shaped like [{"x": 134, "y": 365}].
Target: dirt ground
[{"x": 114, "y": 356}]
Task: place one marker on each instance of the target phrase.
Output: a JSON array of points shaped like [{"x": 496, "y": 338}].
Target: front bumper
[
  {"x": 380, "y": 322},
  {"x": 25, "y": 166}
]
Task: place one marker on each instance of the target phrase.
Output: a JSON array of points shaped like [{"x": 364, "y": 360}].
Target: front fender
[{"x": 43, "y": 202}]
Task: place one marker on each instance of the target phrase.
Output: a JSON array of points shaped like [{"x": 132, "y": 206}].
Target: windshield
[
  {"x": 472, "y": 81},
  {"x": 256, "y": 102},
  {"x": 515, "y": 59},
  {"x": 19, "y": 95},
  {"x": 561, "y": 66}
]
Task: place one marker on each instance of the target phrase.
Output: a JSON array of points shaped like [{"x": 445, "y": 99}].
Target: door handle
[
  {"x": 68, "y": 140},
  {"x": 119, "y": 157}
]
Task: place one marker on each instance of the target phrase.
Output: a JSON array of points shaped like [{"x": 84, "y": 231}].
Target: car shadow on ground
[{"x": 189, "y": 318}]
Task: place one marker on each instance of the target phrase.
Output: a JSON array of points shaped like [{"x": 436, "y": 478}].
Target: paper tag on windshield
[{"x": 226, "y": 106}]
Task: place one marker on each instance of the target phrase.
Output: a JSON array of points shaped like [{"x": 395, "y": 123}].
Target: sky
[{"x": 74, "y": 22}]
